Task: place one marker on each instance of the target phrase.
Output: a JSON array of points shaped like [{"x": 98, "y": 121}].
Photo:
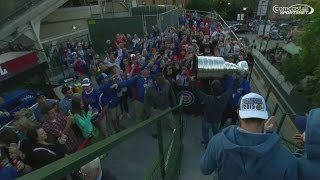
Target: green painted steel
[
  {"x": 151, "y": 20},
  {"x": 172, "y": 155},
  {"x": 150, "y": 10},
  {"x": 69, "y": 164},
  {"x": 106, "y": 29},
  {"x": 169, "y": 18}
]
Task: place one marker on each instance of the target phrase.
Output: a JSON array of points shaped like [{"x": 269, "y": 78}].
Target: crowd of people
[{"x": 138, "y": 78}]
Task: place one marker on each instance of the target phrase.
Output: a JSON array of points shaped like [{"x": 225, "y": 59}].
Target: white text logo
[
  {"x": 294, "y": 9},
  {"x": 3, "y": 71}
]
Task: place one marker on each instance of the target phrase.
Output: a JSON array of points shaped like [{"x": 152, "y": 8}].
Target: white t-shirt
[
  {"x": 236, "y": 49},
  {"x": 182, "y": 80},
  {"x": 135, "y": 41}
]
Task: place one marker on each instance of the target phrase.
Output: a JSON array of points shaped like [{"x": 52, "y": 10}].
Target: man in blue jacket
[
  {"x": 247, "y": 152},
  {"x": 309, "y": 163},
  {"x": 93, "y": 99},
  {"x": 111, "y": 102},
  {"x": 140, "y": 82}
]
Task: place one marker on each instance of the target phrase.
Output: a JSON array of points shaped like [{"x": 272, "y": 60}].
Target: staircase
[{"x": 135, "y": 155}]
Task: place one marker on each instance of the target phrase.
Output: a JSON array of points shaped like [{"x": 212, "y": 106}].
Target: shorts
[{"x": 114, "y": 113}]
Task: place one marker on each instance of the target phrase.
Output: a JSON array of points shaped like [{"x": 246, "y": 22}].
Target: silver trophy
[{"x": 215, "y": 67}]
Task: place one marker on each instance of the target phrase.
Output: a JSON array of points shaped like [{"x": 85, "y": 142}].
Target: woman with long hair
[
  {"x": 84, "y": 120},
  {"x": 44, "y": 152}
]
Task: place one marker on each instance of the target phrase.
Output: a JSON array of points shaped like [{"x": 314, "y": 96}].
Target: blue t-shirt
[{"x": 9, "y": 173}]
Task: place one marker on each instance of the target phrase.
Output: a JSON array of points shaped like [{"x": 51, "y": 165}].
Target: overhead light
[
  {"x": 244, "y": 8},
  {"x": 229, "y": 3},
  {"x": 73, "y": 27}
]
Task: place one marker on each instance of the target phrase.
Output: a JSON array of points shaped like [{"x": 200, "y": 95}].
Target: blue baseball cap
[
  {"x": 103, "y": 76},
  {"x": 145, "y": 66},
  {"x": 38, "y": 94}
]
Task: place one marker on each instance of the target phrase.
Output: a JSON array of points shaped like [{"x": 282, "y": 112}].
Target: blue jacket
[
  {"x": 110, "y": 96},
  {"x": 140, "y": 84},
  {"x": 309, "y": 164},
  {"x": 94, "y": 99},
  {"x": 240, "y": 155},
  {"x": 243, "y": 89},
  {"x": 9, "y": 173}
]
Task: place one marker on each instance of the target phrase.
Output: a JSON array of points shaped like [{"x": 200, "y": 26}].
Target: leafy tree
[
  {"x": 308, "y": 61},
  {"x": 200, "y": 5},
  {"x": 228, "y": 9}
]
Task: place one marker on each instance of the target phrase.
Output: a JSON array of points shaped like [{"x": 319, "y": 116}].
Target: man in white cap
[
  {"x": 248, "y": 152},
  {"x": 93, "y": 99}
]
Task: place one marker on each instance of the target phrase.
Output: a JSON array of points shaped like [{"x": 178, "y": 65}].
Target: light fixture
[
  {"x": 229, "y": 4},
  {"x": 244, "y": 8},
  {"x": 73, "y": 27}
]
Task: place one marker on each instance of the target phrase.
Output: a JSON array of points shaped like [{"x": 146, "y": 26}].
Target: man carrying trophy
[{"x": 214, "y": 68}]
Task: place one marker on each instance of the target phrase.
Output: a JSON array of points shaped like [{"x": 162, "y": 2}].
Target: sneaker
[
  {"x": 128, "y": 115},
  {"x": 102, "y": 157},
  {"x": 155, "y": 136},
  {"x": 122, "y": 127}
]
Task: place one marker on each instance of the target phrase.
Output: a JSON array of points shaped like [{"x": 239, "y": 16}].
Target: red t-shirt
[
  {"x": 136, "y": 70},
  {"x": 206, "y": 30},
  {"x": 206, "y": 20},
  {"x": 79, "y": 67}
]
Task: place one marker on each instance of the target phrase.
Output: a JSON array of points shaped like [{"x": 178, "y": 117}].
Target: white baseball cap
[
  {"x": 253, "y": 105},
  {"x": 86, "y": 82}
]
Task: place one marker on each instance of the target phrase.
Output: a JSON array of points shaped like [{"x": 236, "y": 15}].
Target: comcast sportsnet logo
[{"x": 294, "y": 9}]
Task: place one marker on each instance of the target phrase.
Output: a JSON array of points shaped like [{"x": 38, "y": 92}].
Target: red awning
[{"x": 13, "y": 63}]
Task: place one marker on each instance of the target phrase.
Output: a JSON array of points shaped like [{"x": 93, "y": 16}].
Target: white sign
[
  {"x": 294, "y": 9},
  {"x": 187, "y": 97},
  {"x": 262, "y": 7},
  {"x": 3, "y": 71},
  {"x": 240, "y": 17}
]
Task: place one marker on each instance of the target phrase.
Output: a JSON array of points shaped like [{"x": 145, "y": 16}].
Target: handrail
[
  {"x": 67, "y": 165},
  {"x": 277, "y": 91},
  {"x": 279, "y": 105}
]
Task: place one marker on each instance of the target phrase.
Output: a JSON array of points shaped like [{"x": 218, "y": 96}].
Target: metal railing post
[
  {"x": 281, "y": 123},
  {"x": 275, "y": 109},
  {"x": 268, "y": 93},
  {"x": 160, "y": 146},
  {"x": 250, "y": 73},
  {"x": 181, "y": 125}
]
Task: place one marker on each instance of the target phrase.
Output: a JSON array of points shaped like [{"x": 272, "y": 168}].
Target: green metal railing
[
  {"x": 276, "y": 104},
  {"x": 166, "y": 165}
]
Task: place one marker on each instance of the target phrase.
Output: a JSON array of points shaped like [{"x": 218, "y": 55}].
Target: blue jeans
[{"x": 205, "y": 130}]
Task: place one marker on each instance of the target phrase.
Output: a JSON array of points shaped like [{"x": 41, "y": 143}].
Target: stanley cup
[{"x": 213, "y": 67}]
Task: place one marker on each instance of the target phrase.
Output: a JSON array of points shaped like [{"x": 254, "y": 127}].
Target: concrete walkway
[
  {"x": 131, "y": 159},
  {"x": 193, "y": 151}
]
